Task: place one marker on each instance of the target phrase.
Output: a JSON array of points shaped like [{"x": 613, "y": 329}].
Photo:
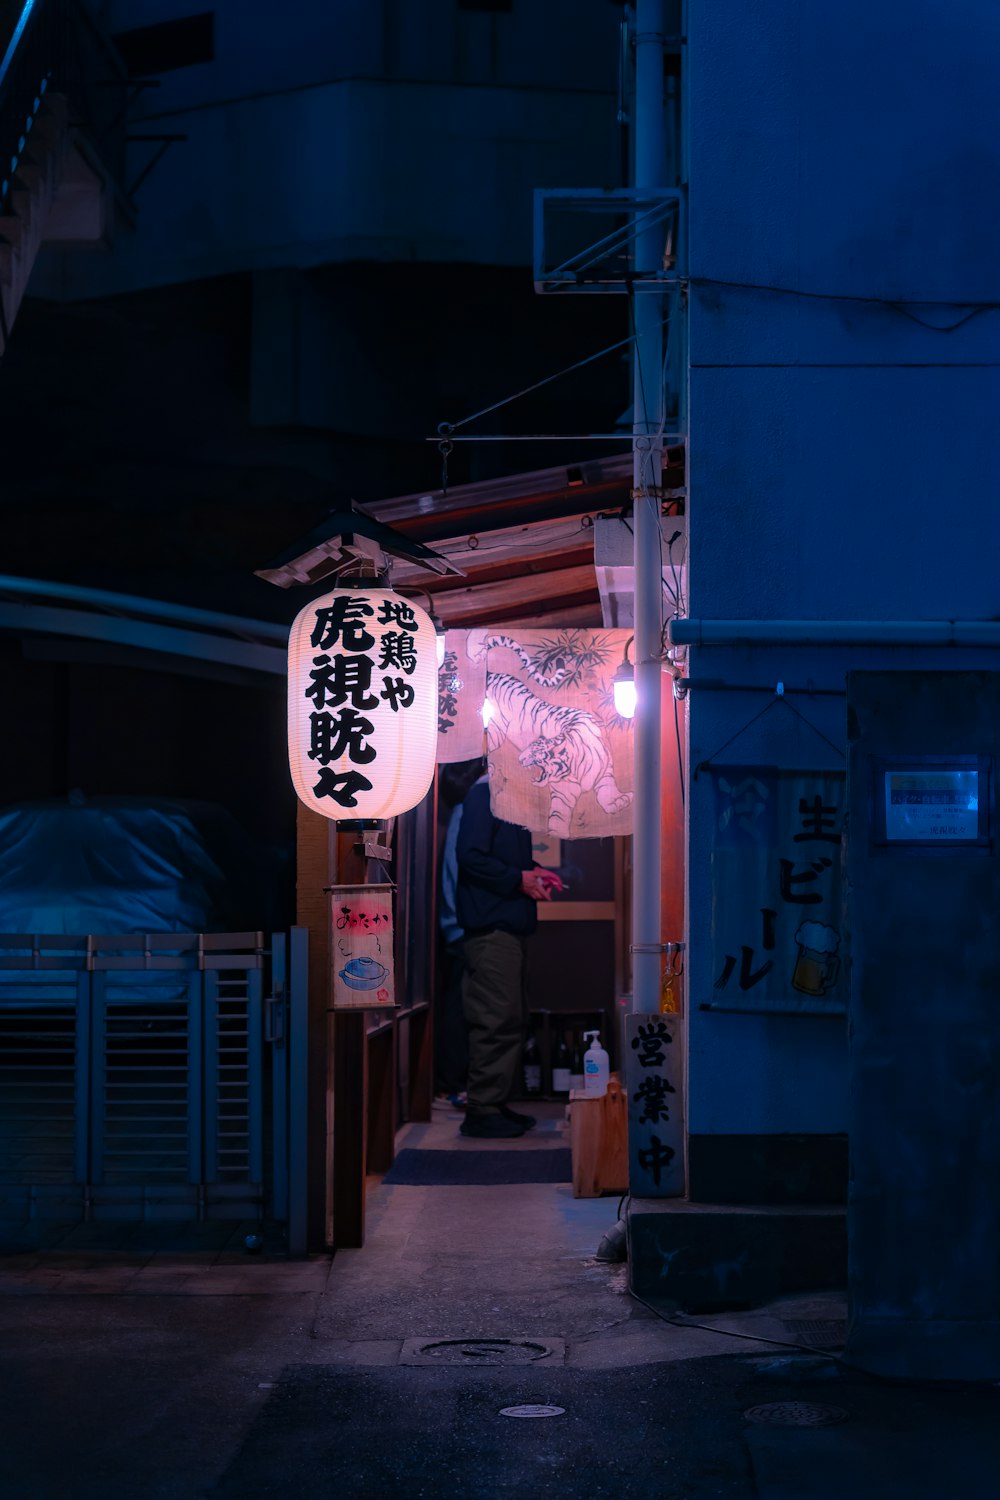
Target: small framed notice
[
  {"x": 932, "y": 802},
  {"x": 361, "y": 949}
]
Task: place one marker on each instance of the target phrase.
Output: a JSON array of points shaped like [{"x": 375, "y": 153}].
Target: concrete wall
[
  {"x": 388, "y": 132},
  {"x": 842, "y": 461}
]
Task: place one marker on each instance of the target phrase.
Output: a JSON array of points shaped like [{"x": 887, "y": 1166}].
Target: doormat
[{"x": 479, "y": 1168}]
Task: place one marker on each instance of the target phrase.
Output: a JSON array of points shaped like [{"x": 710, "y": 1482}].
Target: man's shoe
[
  {"x": 491, "y": 1127},
  {"x": 526, "y": 1122}
]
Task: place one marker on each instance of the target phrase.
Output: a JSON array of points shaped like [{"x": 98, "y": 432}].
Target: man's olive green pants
[{"x": 493, "y": 1004}]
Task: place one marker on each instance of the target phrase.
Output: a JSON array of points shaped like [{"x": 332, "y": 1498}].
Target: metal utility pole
[{"x": 647, "y": 449}]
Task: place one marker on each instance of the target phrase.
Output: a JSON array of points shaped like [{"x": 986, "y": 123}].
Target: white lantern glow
[{"x": 362, "y": 703}]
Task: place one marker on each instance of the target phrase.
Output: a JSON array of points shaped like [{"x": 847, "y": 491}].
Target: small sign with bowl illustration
[{"x": 361, "y": 948}]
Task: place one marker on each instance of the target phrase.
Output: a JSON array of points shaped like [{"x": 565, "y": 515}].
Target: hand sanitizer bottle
[{"x": 596, "y": 1069}]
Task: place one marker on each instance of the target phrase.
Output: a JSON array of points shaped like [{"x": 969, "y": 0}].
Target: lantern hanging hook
[{"x": 445, "y": 447}]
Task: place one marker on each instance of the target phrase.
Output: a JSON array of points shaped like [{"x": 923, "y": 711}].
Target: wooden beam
[
  {"x": 581, "y": 615},
  {"x": 574, "y": 585},
  {"x": 527, "y": 543},
  {"x": 502, "y": 569},
  {"x": 576, "y": 911}
]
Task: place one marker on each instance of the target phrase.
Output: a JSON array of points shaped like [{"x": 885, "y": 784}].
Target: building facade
[{"x": 843, "y": 321}]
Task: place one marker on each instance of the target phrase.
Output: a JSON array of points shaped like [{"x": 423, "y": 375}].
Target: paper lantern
[
  {"x": 461, "y": 689},
  {"x": 362, "y": 703}
]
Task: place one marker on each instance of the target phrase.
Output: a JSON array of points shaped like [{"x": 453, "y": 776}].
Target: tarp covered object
[{"x": 115, "y": 865}]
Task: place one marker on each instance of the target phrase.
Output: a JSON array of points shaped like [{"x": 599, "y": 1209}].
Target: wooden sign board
[
  {"x": 361, "y": 947},
  {"x": 653, "y": 1066}
]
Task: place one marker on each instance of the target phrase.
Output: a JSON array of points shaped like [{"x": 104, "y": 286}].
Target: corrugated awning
[{"x": 525, "y": 543}]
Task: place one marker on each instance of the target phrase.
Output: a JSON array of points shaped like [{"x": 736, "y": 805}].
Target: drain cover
[
  {"x": 484, "y": 1351},
  {"x": 533, "y": 1411},
  {"x": 796, "y": 1414}
]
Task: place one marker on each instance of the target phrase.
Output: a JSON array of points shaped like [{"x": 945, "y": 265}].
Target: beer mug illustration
[{"x": 817, "y": 964}]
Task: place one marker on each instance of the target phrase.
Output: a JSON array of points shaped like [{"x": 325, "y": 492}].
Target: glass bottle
[
  {"x": 576, "y": 1063},
  {"x": 561, "y": 1067},
  {"x": 532, "y": 1063}
]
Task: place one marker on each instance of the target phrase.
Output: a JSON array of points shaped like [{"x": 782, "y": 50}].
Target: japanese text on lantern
[
  {"x": 362, "y": 704},
  {"x": 341, "y": 688}
]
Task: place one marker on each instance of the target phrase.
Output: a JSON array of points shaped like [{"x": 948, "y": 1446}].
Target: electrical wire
[
  {"x": 903, "y": 306},
  {"x": 897, "y": 304},
  {"x": 729, "y": 1333},
  {"x": 445, "y": 429},
  {"x": 500, "y": 542},
  {"x": 680, "y": 754},
  {"x": 649, "y": 478},
  {"x": 678, "y": 591}
]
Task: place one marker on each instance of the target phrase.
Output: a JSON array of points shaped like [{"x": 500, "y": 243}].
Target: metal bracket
[
  {"x": 274, "y": 1016},
  {"x": 605, "y": 264},
  {"x": 165, "y": 142}
]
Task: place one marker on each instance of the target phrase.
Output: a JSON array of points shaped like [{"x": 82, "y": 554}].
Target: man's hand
[{"x": 539, "y": 884}]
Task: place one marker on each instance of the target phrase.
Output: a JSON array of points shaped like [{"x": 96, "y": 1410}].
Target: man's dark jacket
[{"x": 492, "y": 857}]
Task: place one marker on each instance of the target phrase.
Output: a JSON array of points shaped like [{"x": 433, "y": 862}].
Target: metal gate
[{"x": 153, "y": 1077}]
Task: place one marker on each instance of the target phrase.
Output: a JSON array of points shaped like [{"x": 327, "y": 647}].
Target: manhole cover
[
  {"x": 796, "y": 1414},
  {"x": 821, "y": 1333},
  {"x": 484, "y": 1351},
  {"x": 473, "y": 1353},
  {"x": 533, "y": 1411}
]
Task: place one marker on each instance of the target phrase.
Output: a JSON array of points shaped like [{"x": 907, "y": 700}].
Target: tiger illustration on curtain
[
  {"x": 565, "y": 745},
  {"x": 562, "y": 666}
]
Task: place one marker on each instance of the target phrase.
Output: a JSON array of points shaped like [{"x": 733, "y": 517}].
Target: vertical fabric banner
[
  {"x": 654, "y": 1061},
  {"x": 361, "y": 918},
  {"x": 777, "y": 922},
  {"x": 560, "y": 757},
  {"x": 461, "y": 690}
]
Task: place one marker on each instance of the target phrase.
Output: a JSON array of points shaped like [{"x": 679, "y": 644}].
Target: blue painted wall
[{"x": 843, "y": 457}]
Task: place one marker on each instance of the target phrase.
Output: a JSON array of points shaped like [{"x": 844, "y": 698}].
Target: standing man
[
  {"x": 451, "y": 1046},
  {"x": 498, "y": 887}
]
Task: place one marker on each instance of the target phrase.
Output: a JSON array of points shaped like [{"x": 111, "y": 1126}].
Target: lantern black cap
[{"x": 343, "y": 535}]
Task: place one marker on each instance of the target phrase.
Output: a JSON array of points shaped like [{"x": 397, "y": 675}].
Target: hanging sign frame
[{"x": 361, "y": 947}]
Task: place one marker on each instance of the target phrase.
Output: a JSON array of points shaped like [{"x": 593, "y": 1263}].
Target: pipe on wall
[
  {"x": 835, "y": 632},
  {"x": 647, "y": 451}
]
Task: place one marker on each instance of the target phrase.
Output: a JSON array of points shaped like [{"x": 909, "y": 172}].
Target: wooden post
[
  {"x": 349, "y": 1113},
  {"x": 316, "y": 866}
]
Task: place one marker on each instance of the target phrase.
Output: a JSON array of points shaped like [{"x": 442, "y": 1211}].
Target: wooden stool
[{"x": 599, "y": 1141}]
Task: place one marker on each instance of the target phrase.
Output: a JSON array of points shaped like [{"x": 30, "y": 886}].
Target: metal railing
[
  {"x": 56, "y": 46},
  {"x": 150, "y": 1077}
]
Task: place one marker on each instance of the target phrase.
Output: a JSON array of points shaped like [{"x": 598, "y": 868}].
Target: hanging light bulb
[
  {"x": 487, "y": 711},
  {"x": 624, "y": 686}
]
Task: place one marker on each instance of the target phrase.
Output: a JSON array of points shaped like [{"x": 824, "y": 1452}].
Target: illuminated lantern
[{"x": 362, "y": 703}]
